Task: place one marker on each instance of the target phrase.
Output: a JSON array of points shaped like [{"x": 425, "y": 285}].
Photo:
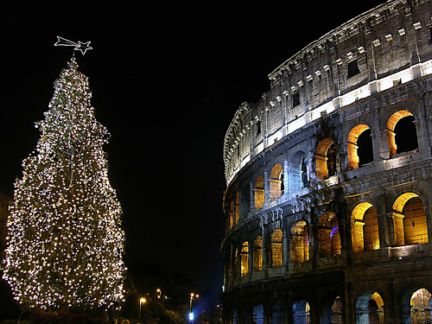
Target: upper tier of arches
[{"x": 370, "y": 54}]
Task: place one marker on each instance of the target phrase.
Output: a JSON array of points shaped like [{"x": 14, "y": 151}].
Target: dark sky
[{"x": 166, "y": 82}]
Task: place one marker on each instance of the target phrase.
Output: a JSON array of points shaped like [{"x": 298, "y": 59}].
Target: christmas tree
[{"x": 64, "y": 243}]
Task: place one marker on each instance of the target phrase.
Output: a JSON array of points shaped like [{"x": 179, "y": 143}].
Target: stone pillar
[
  {"x": 382, "y": 141},
  {"x": 267, "y": 313},
  {"x": 384, "y": 226},
  {"x": 250, "y": 259},
  {"x": 314, "y": 310},
  {"x": 421, "y": 131},
  {"x": 357, "y": 236},
  {"x": 389, "y": 306},
  {"x": 264, "y": 249},
  {"x": 285, "y": 179},
  {"x": 425, "y": 120},
  {"x": 266, "y": 189},
  {"x": 285, "y": 250},
  {"x": 313, "y": 239},
  {"x": 398, "y": 228},
  {"x": 252, "y": 197},
  {"x": 349, "y": 304}
]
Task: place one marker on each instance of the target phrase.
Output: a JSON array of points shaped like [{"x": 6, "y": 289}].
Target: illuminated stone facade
[{"x": 329, "y": 180}]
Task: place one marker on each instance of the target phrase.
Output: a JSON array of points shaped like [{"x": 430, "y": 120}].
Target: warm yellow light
[
  {"x": 158, "y": 290},
  {"x": 197, "y": 296},
  {"x": 192, "y": 295},
  {"x": 143, "y": 300}
]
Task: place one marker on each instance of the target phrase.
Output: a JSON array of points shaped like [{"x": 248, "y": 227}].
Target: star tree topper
[{"x": 83, "y": 47}]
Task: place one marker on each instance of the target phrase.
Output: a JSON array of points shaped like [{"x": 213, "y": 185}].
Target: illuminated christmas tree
[{"x": 65, "y": 243}]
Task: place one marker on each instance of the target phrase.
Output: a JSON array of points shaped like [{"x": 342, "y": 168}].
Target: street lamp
[
  {"x": 192, "y": 296},
  {"x": 141, "y": 301},
  {"x": 158, "y": 293}
]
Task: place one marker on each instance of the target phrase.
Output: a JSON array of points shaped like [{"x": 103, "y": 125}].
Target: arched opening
[
  {"x": 301, "y": 312},
  {"x": 364, "y": 230},
  {"x": 259, "y": 192},
  {"x": 276, "y": 245},
  {"x": 360, "y": 151},
  {"x": 370, "y": 309},
  {"x": 329, "y": 242},
  {"x": 258, "y": 314},
  {"x": 258, "y": 254},
  {"x": 276, "y": 181},
  {"x": 299, "y": 242},
  {"x": 401, "y": 133},
  {"x": 332, "y": 311},
  {"x": 297, "y": 175},
  {"x": 409, "y": 220},
  {"x": 417, "y": 307},
  {"x": 244, "y": 266},
  {"x": 325, "y": 158}
]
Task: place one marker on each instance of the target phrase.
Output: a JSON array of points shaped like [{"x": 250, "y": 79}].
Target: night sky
[{"x": 166, "y": 82}]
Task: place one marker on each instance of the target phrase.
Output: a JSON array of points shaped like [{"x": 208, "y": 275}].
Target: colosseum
[{"x": 329, "y": 191}]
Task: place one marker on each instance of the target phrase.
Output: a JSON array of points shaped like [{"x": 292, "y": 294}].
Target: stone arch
[
  {"x": 370, "y": 308},
  {"x": 258, "y": 254},
  {"x": 301, "y": 312},
  {"x": 276, "y": 181},
  {"x": 401, "y": 133},
  {"x": 258, "y": 314},
  {"x": 298, "y": 175},
  {"x": 329, "y": 242},
  {"x": 259, "y": 192},
  {"x": 409, "y": 220},
  {"x": 332, "y": 311},
  {"x": 364, "y": 228},
  {"x": 325, "y": 158},
  {"x": 244, "y": 259},
  {"x": 299, "y": 244},
  {"x": 277, "y": 248},
  {"x": 360, "y": 150},
  {"x": 417, "y": 306}
]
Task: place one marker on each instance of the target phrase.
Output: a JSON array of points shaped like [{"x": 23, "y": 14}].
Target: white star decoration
[{"x": 83, "y": 47}]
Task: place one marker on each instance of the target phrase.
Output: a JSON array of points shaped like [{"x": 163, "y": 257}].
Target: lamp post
[
  {"x": 158, "y": 293},
  {"x": 192, "y": 296},
  {"x": 141, "y": 301}
]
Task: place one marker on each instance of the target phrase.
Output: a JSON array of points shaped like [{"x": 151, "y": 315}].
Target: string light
[{"x": 65, "y": 244}]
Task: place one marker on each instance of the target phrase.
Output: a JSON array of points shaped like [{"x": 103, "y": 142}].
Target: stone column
[
  {"x": 264, "y": 249},
  {"x": 285, "y": 250},
  {"x": 250, "y": 259},
  {"x": 252, "y": 197},
  {"x": 389, "y": 306},
  {"x": 285, "y": 179},
  {"x": 398, "y": 228},
  {"x": 266, "y": 189}
]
